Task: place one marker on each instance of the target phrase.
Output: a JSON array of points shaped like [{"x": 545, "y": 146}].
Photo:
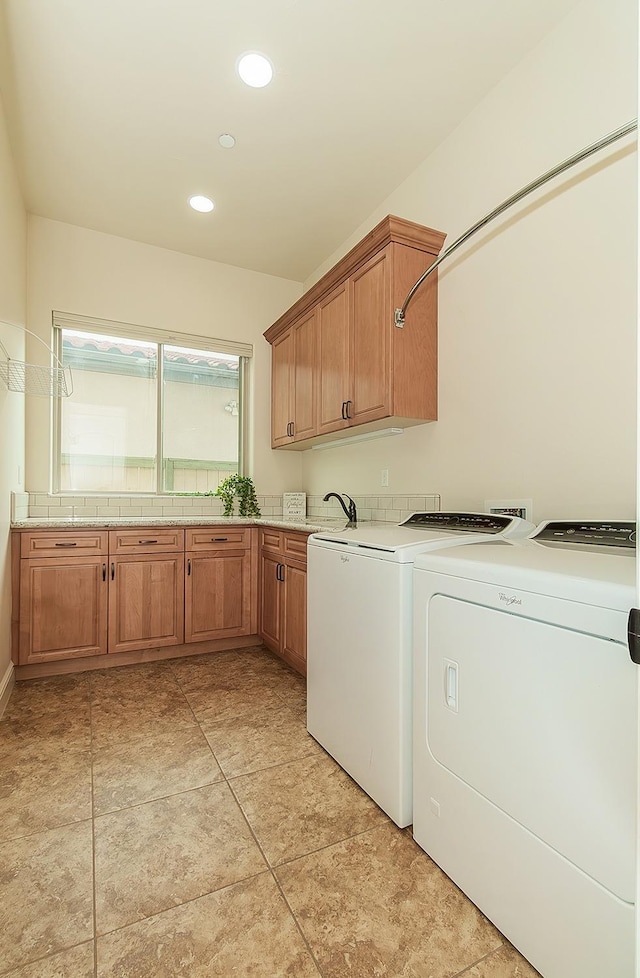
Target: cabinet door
[
  {"x": 294, "y": 615},
  {"x": 304, "y": 378},
  {"x": 63, "y": 608},
  {"x": 371, "y": 325},
  {"x": 217, "y": 595},
  {"x": 282, "y": 380},
  {"x": 270, "y": 600},
  {"x": 146, "y": 601},
  {"x": 334, "y": 360}
]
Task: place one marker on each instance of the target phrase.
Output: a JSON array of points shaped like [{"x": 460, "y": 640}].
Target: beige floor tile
[
  {"x": 377, "y": 905},
  {"x": 128, "y": 717},
  {"x": 166, "y": 852},
  {"x": 259, "y": 740},
  {"x": 130, "y": 773},
  {"x": 302, "y": 806},
  {"x": 290, "y": 686},
  {"x": 42, "y": 788},
  {"x": 264, "y": 662},
  {"x": 46, "y": 884},
  {"x": 51, "y": 695},
  {"x": 222, "y": 698},
  {"x": 244, "y": 930},
  {"x": 505, "y": 963},
  {"x": 292, "y": 689},
  {"x": 66, "y": 731},
  {"x": 50, "y": 712},
  {"x": 195, "y": 669},
  {"x": 75, "y": 963},
  {"x": 143, "y": 677}
]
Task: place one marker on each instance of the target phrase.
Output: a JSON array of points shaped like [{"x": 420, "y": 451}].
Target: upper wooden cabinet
[
  {"x": 293, "y": 382},
  {"x": 360, "y": 369}
]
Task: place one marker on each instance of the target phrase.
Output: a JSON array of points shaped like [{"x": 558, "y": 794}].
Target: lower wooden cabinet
[
  {"x": 89, "y": 593},
  {"x": 62, "y": 607},
  {"x": 283, "y": 595},
  {"x": 220, "y": 583},
  {"x": 146, "y": 601},
  {"x": 131, "y": 589}
]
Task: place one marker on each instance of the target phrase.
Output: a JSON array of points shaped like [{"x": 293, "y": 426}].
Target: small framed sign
[{"x": 294, "y": 504}]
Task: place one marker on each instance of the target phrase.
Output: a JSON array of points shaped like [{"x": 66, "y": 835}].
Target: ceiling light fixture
[
  {"x": 202, "y": 204},
  {"x": 255, "y": 69},
  {"x": 226, "y": 140}
]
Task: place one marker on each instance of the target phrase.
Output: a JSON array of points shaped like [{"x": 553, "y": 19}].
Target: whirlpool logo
[{"x": 509, "y": 599}]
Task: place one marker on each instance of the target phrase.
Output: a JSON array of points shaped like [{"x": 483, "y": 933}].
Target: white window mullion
[{"x": 160, "y": 426}]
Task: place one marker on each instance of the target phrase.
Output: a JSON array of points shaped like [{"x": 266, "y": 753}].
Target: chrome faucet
[{"x": 349, "y": 512}]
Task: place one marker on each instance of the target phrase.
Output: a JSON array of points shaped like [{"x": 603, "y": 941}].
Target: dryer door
[{"x": 541, "y": 721}]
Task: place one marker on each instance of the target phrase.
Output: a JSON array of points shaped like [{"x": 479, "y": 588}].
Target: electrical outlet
[{"x": 384, "y": 477}]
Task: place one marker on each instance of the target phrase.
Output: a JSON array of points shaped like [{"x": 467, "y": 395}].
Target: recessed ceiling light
[
  {"x": 255, "y": 69},
  {"x": 226, "y": 140},
  {"x": 200, "y": 203}
]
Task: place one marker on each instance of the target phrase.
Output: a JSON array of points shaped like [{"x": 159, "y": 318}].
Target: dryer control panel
[{"x": 594, "y": 533}]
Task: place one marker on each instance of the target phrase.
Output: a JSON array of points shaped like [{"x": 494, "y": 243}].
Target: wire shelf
[{"x": 34, "y": 378}]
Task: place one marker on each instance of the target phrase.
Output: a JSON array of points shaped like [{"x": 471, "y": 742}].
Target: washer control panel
[
  {"x": 461, "y": 522},
  {"x": 598, "y": 533}
]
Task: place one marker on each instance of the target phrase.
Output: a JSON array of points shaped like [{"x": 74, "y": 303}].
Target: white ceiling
[{"x": 115, "y": 108}]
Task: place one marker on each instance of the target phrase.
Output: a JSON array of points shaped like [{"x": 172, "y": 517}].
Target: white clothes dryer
[
  {"x": 359, "y": 642},
  {"x": 525, "y": 739}
]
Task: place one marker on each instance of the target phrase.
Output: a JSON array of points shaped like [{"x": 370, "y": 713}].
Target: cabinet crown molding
[{"x": 391, "y": 229}]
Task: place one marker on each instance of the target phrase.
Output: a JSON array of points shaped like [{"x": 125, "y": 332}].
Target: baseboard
[
  {"x": 59, "y": 667},
  {"x": 6, "y": 685}
]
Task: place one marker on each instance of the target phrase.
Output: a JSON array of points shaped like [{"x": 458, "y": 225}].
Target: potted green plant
[{"x": 242, "y": 487}]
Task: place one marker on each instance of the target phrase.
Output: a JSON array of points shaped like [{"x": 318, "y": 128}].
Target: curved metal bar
[{"x": 509, "y": 202}]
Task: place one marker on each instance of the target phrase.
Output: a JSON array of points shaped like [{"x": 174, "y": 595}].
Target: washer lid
[{"x": 423, "y": 531}]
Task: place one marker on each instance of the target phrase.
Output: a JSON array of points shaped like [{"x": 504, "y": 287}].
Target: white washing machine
[
  {"x": 359, "y": 642},
  {"x": 525, "y": 739}
]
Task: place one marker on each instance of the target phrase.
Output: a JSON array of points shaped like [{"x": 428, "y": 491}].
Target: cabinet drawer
[
  {"x": 270, "y": 540},
  {"x": 146, "y": 540},
  {"x": 64, "y": 543},
  {"x": 219, "y": 538},
  {"x": 295, "y": 545}
]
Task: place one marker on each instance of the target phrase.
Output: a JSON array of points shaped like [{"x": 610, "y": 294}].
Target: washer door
[{"x": 541, "y": 721}]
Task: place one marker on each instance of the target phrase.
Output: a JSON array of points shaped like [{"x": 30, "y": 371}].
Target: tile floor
[{"x": 176, "y": 819}]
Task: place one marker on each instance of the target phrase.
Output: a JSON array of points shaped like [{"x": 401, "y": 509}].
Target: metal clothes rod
[{"x": 509, "y": 202}]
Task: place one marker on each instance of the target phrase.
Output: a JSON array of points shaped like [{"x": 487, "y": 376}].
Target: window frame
[{"x": 244, "y": 351}]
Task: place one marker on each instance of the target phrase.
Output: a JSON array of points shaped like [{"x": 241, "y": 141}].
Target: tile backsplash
[{"x": 43, "y": 505}]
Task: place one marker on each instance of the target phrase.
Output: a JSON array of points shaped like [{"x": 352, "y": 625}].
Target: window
[{"x": 146, "y": 415}]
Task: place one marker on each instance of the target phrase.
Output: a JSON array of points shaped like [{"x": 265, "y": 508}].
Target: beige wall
[
  {"x": 13, "y": 232},
  {"x": 76, "y": 270},
  {"x": 537, "y": 317}
]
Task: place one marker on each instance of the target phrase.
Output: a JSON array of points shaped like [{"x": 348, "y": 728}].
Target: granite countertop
[{"x": 308, "y": 525}]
